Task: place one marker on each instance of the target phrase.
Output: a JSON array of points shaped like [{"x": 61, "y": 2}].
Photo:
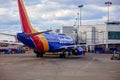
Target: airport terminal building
[{"x": 103, "y": 36}]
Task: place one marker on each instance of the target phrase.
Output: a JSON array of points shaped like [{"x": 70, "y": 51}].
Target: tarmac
[{"x": 51, "y": 67}]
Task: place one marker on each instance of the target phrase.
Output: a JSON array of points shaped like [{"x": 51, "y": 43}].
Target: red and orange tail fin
[{"x": 26, "y": 25}]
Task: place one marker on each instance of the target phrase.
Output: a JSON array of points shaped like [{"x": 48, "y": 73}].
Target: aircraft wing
[
  {"x": 9, "y": 42},
  {"x": 8, "y": 34},
  {"x": 71, "y": 46},
  {"x": 28, "y": 35},
  {"x": 76, "y": 49},
  {"x": 16, "y": 43}
]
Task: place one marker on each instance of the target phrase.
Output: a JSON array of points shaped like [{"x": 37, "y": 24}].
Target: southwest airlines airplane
[{"x": 44, "y": 42}]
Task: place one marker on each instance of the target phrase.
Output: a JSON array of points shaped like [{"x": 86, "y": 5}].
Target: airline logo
[{"x": 39, "y": 40}]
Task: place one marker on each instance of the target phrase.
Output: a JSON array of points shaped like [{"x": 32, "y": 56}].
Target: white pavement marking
[{"x": 88, "y": 64}]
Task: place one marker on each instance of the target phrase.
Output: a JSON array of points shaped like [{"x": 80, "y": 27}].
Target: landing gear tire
[
  {"x": 39, "y": 54},
  {"x": 62, "y": 55},
  {"x": 74, "y": 52}
]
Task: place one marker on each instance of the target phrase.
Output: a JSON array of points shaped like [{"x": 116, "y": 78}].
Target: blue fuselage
[
  {"x": 54, "y": 41},
  {"x": 57, "y": 41}
]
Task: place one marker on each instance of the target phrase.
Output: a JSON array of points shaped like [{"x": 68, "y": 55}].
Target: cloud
[
  {"x": 8, "y": 13},
  {"x": 55, "y": 13},
  {"x": 2, "y": 11}
]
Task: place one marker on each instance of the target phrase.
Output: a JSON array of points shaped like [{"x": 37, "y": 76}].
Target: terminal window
[{"x": 114, "y": 35}]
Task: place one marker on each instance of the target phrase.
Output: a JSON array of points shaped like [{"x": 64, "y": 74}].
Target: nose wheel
[{"x": 62, "y": 55}]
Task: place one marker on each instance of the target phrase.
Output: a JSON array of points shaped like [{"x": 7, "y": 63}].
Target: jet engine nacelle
[{"x": 78, "y": 51}]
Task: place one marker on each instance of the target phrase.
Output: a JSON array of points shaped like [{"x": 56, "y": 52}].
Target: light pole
[
  {"x": 80, "y": 13},
  {"x": 108, "y": 5},
  {"x": 78, "y": 19}
]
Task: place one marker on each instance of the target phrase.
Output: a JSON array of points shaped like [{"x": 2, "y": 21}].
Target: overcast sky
[{"x": 47, "y": 14}]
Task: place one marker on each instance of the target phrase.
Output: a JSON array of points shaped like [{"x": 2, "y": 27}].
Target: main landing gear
[
  {"x": 39, "y": 54},
  {"x": 62, "y": 55}
]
